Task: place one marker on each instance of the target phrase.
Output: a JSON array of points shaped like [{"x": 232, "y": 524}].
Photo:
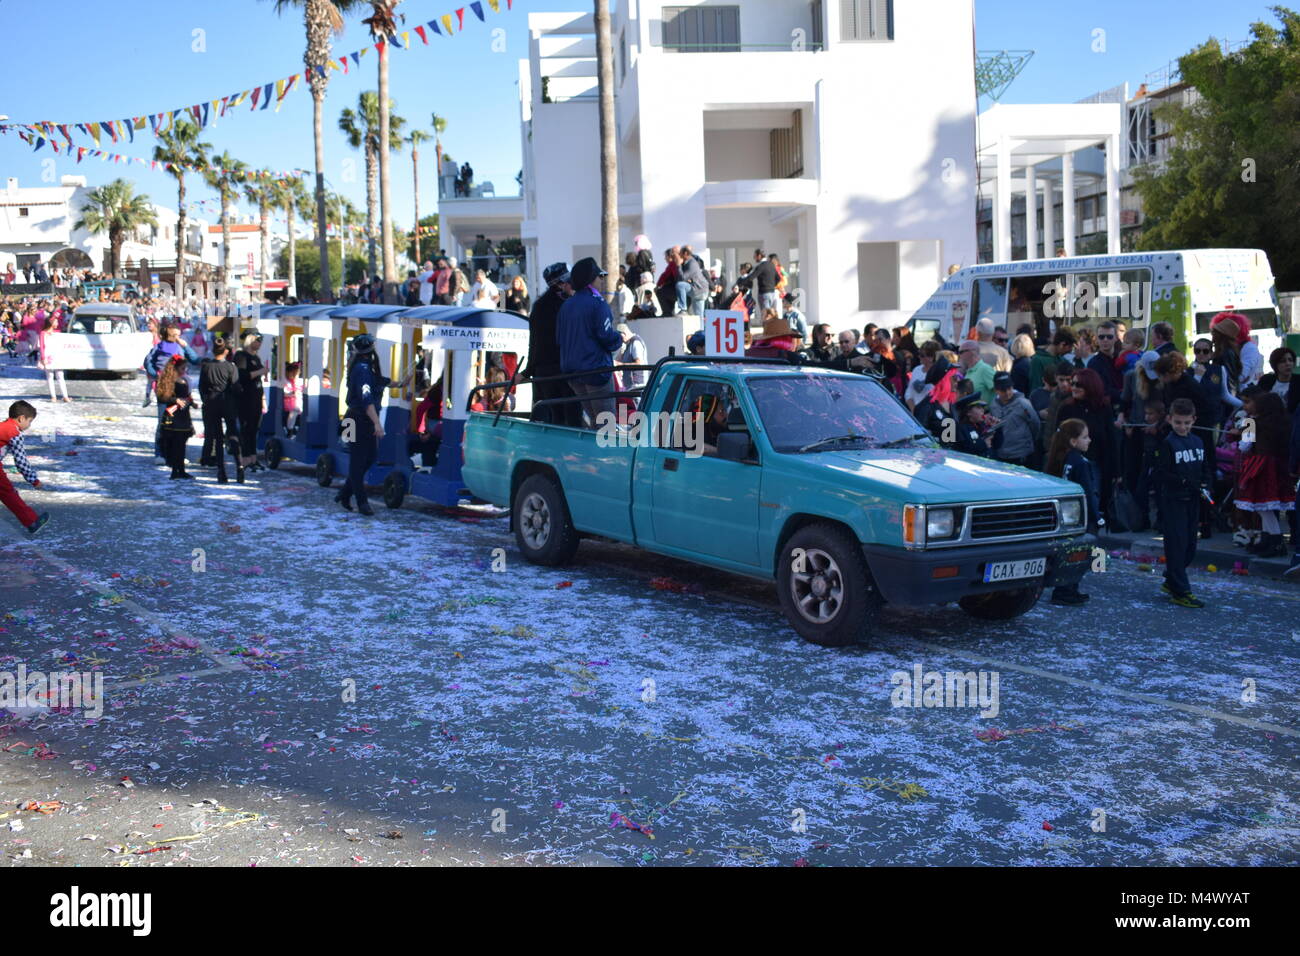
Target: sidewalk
[{"x": 1217, "y": 550}]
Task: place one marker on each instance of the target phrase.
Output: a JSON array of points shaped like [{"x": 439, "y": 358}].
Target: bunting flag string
[
  {"x": 260, "y": 96},
  {"x": 83, "y": 152}
]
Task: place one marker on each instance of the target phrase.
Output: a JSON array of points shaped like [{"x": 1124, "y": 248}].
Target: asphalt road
[{"x": 335, "y": 690}]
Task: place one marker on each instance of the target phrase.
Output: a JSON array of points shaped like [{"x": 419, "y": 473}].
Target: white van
[
  {"x": 100, "y": 335},
  {"x": 1187, "y": 289}
]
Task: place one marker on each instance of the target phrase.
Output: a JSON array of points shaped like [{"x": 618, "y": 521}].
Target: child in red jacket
[{"x": 21, "y": 416}]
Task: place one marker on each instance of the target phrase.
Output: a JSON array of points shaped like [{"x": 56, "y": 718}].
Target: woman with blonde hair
[
  {"x": 517, "y": 296},
  {"x": 1022, "y": 352}
]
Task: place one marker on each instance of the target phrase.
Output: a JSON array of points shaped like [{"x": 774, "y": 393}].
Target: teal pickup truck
[{"x": 818, "y": 479}]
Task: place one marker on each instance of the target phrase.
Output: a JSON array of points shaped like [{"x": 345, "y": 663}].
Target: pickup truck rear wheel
[
  {"x": 825, "y": 586},
  {"x": 1001, "y": 605},
  {"x": 543, "y": 529}
]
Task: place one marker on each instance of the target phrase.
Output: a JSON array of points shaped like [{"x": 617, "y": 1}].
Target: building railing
[{"x": 794, "y": 45}]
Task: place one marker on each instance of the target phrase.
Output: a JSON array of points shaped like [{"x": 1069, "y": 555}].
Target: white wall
[
  {"x": 737, "y": 154},
  {"x": 565, "y": 158}
]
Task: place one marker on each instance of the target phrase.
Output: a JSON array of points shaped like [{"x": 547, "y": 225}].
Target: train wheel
[
  {"x": 274, "y": 453},
  {"x": 394, "y": 489},
  {"x": 325, "y": 470}
]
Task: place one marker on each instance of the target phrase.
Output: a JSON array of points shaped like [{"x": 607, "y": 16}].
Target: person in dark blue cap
[
  {"x": 588, "y": 339},
  {"x": 365, "y": 393},
  {"x": 544, "y": 350}
]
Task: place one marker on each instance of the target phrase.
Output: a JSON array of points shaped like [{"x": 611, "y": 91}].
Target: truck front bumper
[{"x": 948, "y": 574}]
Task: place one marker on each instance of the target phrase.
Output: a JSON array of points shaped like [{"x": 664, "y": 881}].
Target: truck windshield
[{"x": 824, "y": 412}]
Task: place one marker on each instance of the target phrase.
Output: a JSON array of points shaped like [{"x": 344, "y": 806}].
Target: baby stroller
[{"x": 1227, "y": 468}]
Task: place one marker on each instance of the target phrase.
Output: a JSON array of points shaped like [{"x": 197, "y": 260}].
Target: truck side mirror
[{"x": 735, "y": 446}]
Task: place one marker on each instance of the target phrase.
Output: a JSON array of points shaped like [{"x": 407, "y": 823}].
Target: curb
[{"x": 1224, "y": 559}]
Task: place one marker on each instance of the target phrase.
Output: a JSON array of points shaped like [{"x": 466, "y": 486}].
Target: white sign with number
[{"x": 724, "y": 333}]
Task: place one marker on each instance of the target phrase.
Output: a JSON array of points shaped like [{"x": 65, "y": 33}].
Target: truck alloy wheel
[
  {"x": 825, "y": 586},
  {"x": 818, "y": 590},
  {"x": 535, "y": 521},
  {"x": 543, "y": 529}
]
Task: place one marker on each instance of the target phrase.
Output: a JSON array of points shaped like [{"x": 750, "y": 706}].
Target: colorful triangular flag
[{"x": 477, "y": 8}]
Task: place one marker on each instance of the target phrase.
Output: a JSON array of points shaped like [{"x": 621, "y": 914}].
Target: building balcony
[{"x": 749, "y": 193}]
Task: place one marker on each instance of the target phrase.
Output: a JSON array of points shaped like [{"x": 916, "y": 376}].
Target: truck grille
[{"x": 1010, "y": 521}]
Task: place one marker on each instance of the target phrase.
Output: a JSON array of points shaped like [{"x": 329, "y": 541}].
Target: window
[
  {"x": 878, "y": 276},
  {"x": 1095, "y": 296},
  {"x": 798, "y": 410},
  {"x": 866, "y": 20},
  {"x": 787, "y": 149},
  {"x": 714, "y": 406},
  {"x": 23, "y": 212},
  {"x": 990, "y": 302},
  {"x": 622, "y": 55},
  {"x": 818, "y": 24},
  {"x": 707, "y": 29}
]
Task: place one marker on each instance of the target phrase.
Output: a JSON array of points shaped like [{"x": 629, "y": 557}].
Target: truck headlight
[
  {"x": 939, "y": 523},
  {"x": 1072, "y": 513}
]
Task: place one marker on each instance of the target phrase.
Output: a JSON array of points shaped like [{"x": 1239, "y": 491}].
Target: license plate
[{"x": 1011, "y": 570}]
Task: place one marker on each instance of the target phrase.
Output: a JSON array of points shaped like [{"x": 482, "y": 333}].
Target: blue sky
[{"x": 131, "y": 57}]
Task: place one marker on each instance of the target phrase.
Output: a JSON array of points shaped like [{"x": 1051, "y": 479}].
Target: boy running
[{"x": 21, "y": 416}]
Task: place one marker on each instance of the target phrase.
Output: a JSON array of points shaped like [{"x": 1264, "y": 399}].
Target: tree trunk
[
  {"x": 316, "y": 20},
  {"x": 180, "y": 236},
  {"x": 608, "y": 149},
  {"x": 372, "y": 199},
  {"x": 225, "y": 242},
  {"x": 326, "y": 291},
  {"x": 415, "y": 168},
  {"x": 115, "y": 239},
  {"x": 264, "y": 224},
  {"x": 385, "y": 201},
  {"x": 293, "y": 254}
]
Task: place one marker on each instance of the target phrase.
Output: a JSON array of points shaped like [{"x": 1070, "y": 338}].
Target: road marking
[
  {"x": 1105, "y": 688},
  {"x": 169, "y": 678},
  {"x": 223, "y": 663}
]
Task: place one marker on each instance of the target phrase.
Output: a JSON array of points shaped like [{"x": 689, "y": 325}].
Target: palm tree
[
  {"x": 225, "y": 176},
  {"x": 608, "y": 147},
  {"x": 321, "y": 18},
  {"x": 383, "y": 25},
  {"x": 180, "y": 147},
  {"x": 417, "y": 137},
  {"x": 439, "y": 124},
  {"x": 261, "y": 191},
  {"x": 362, "y": 130},
  {"x": 291, "y": 195},
  {"x": 117, "y": 209}
]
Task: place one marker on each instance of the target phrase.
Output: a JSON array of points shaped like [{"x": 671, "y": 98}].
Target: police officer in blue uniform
[{"x": 365, "y": 392}]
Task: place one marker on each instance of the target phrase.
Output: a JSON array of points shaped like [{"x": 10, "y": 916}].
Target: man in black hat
[
  {"x": 588, "y": 339},
  {"x": 544, "y": 350},
  {"x": 969, "y": 437}
]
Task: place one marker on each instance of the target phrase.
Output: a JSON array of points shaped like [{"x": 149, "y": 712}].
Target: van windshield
[
  {"x": 800, "y": 411},
  {"x": 87, "y": 323}
]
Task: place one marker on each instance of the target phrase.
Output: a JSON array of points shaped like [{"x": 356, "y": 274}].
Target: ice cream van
[
  {"x": 1186, "y": 288},
  {"x": 102, "y": 336}
]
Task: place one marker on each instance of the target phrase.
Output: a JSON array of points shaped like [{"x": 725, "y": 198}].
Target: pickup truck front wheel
[
  {"x": 543, "y": 529},
  {"x": 825, "y": 586},
  {"x": 1001, "y": 605}
]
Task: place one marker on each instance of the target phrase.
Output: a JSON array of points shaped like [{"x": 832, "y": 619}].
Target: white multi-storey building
[
  {"x": 840, "y": 135},
  {"x": 38, "y": 224}
]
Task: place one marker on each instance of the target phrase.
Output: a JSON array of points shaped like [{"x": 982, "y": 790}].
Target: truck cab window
[{"x": 713, "y": 409}]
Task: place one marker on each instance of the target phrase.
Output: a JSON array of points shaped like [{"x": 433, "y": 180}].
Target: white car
[{"x": 102, "y": 336}]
